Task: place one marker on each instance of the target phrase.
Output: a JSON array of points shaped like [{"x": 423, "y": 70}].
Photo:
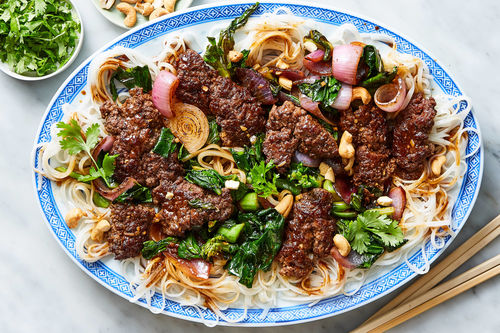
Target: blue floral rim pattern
[{"x": 276, "y": 316}]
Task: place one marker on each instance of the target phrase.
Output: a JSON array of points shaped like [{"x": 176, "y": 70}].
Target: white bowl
[{"x": 6, "y": 69}]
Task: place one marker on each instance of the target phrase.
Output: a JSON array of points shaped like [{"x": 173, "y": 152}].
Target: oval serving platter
[{"x": 201, "y": 19}]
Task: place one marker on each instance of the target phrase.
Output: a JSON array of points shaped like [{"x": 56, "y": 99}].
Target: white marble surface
[{"x": 43, "y": 291}]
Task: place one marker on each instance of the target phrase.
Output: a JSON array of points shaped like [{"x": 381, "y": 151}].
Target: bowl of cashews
[{"x": 131, "y": 13}]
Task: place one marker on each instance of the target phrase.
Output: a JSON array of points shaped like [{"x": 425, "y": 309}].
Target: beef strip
[
  {"x": 412, "y": 126},
  {"x": 368, "y": 126},
  {"x": 136, "y": 126},
  {"x": 129, "y": 229},
  {"x": 290, "y": 128},
  {"x": 237, "y": 112},
  {"x": 308, "y": 235},
  {"x": 176, "y": 215}
]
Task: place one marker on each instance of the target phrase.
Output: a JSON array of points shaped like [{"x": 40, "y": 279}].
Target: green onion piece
[
  {"x": 250, "y": 202},
  {"x": 72, "y": 174},
  {"x": 384, "y": 210},
  {"x": 340, "y": 206},
  {"x": 231, "y": 234},
  {"x": 328, "y": 185},
  {"x": 345, "y": 215},
  {"x": 100, "y": 201},
  {"x": 284, "y": 184}
]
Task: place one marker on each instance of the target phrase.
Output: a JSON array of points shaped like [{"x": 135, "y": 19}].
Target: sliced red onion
[
  {"x": 308, "y": 104},
  {"x": 343, "y": 100},
  {"x": 306, "y": 160},
  {"x": 112, "y": 194},
  {"x": 344, "y": 188},
  {"x": 264, "y": 203},
  {"x": 196, "y": 268},
  {"x": 398, "y": 196},
  {"x": 105, "y": 145},
  {"x": 345, "y": 60},
  {"x": 315, "y": 56},
  {"x": 390, "y": 97},
  {"x": 163, "y": 92},
  {"x": 291, "y": 74},
  {"x": 320, "y": 67},
  {"x": 285, "y": 97},
  {"x": 257, "y": 84}
]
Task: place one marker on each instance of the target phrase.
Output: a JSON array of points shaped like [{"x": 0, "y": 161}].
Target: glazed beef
[
  {"x": 410, "y": 139},
  {"x": 373, "y": 163},
  {"x": 129, "y": 229},
  {"x": 237, "y": 112},
  {"x": 136, "y": 126},
  {"x": 177, "y": 214},
  {"x": 290, "y": 128},
  {"x": 308, "y": 235}
]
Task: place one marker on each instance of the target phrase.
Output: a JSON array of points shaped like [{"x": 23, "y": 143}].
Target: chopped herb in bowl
[{"x": 38, "y": 37}]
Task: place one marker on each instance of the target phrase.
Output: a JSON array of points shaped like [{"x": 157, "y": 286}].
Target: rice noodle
[{"x": 274, "y": 37}]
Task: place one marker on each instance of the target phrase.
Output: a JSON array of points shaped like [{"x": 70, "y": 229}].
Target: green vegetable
[
  {"x": 231, "y": 233},
  {"x": 100, "y": 201},
  {"x": 384, "y": 210},
  {"x": 197, "y": 203},
  {"x": 371, "y": 227},
  {"x": 357, "y": 201},
  {"x": 37, "y": 36},
  {"x": 329, "y": 128},
  {"x": 324, "y": 90},
  {"x": 303, "y": 176},
  {"x": 216, "y": 54},
  {"x": 73, "y": 174},
  {"x": 74, "y": 142},
  {"x": 263, "y": 237},
  {"x": 249, "y": 202},
  {"x": 284, "y": 184},
  {"x": 189, "y": 248},
  {"x": 208, "y": 179},
  {"x": 371, "y": 57},
  {"x": 249, "y": 156},
  {"x": 166, "y": 144},
  {"x": 137, "y": 194},
  {"x": 345, "y": 215},
  {"x": 131, "y": 77},
  {"x": 328, "y": 185},
  {"x": 151, "y": 248},
  {"x": 321, "y": 42},
  {"x": 340, "y": 206},
  {"x": 378, "y": 80},
  {"x": 262, "y": 179},
  {"x": 292, "y": 98},
  {"x": 216, "y": 247},
  {"x": 213, "y": 132},
  {"x": 238, "y": 194}
]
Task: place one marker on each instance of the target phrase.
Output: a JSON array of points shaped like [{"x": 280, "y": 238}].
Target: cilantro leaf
[
  {"x": 73, "y": 140},
  {"x": 263, "y": 182}
]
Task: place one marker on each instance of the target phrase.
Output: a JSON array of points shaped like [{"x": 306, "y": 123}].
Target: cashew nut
[
  {"x": 99, "y": 229},
  {"x": 326, "y": 171},
  {"x": 285, "y": 83},
  {"x": 285, "y": 205},
  {"x": 235, "y": 56},
  {"x": 73, "y": 216},
  {"x": 129, "y": 1},
  {"x": 282, "y": 65},
  {"x": 169, "y": 5},
  {"x": 144, "y": 8},
  {"x": 346, "y": 149},
  {"x": 362, "y": 94},
  {"x": 384, "y": 201},
  {"x": 342, "y": 245},
  {"x": 310, "y": 46},
  {"x": 129, "y": 11},
  {"x": 437, "y": 164},
  {"x": 106, "y": 4},
  {"x": 157, "y": 13}
]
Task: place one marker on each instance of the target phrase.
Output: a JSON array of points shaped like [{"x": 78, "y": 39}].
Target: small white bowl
[{"x": 6, "y": 69}]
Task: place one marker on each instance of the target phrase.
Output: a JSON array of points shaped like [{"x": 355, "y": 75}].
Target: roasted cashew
[
  {"x": 342, "y": 245},
  {"x": 235, "y": 56},
  {"x": 106, "y": 4},
  {"x": 129, "y": 1},
  {"x": 144, "y": 8},
  {"x": 384, "y": 201},
  {"x": 129, "y": 11},
  {"x": 99, "y": 229},
  {"x": 73, "y": 216},
  {"x": 437, "y": 165},
  {"x": 346, "y": 149},
  {"x": 326, "y": 171},
  {"x": 285, "y": 205},
  {"x": 157, "y": 13},
  {"x": 169, "y": 5},
  {"x": 362, "y": 94}
]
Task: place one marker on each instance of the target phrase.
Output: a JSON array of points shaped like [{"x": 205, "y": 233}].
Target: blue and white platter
[{"x": 197, "y": 21}]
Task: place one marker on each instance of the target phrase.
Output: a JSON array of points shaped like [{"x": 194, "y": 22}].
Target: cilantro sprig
[
  {"x": 74, "y": 141},
  {"x": 37, "y": 36},
  {"x": 371, "y": 228}
]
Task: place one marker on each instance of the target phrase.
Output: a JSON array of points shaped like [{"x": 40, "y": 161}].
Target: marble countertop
[{"x": 44, "y": 291}]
